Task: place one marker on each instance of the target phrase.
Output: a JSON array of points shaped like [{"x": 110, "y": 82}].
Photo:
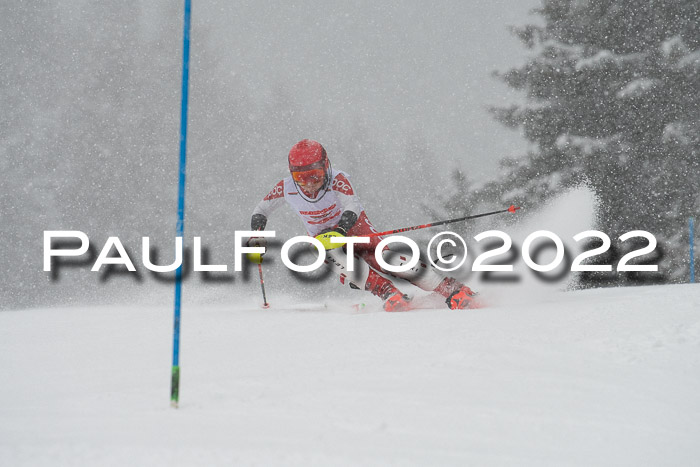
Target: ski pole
[
  {"x": 511, "y": 209},
  {"x": 262, "y": 285}
]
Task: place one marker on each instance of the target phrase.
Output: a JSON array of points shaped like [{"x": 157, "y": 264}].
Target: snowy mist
[{"x": 398, "y": 95}]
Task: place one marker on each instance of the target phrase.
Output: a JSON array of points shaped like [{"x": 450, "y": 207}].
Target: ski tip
[{"x": 513, "y": 208}]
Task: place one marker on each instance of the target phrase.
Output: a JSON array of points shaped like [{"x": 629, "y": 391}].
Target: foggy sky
[
  {"x": 397, "y": 92},
  {"x": 393, "y": 66}
]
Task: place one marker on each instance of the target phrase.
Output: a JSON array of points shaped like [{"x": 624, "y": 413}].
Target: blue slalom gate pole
[
  {"x": 691, "y": 226},
  {"x": 175, "y": 378}
]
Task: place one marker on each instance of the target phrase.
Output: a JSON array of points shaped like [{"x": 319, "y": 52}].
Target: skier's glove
[{"x": 258, "y": 222}]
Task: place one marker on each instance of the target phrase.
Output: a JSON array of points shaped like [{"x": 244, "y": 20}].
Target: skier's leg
[
  {"x": 364, "y": 277},
  {"x": 426, "y": 277}
]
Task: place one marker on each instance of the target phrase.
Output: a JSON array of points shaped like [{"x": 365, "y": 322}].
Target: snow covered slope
[{"x": 597, "y": 377}]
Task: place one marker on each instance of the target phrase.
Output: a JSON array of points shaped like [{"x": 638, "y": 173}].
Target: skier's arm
[
  {"x": 265, "y": 207},
  {"x": 258, "y": 222},
  {"x": 349, "y": 203},
  {"x": 273, "y": 200}
]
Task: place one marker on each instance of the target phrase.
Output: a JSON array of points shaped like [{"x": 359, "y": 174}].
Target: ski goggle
[{"x": 309, "y": 176}]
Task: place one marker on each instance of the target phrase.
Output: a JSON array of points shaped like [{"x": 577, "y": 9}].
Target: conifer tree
[{"x": 612, "y": 101}]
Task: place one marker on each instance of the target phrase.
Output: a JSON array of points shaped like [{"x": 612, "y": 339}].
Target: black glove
[
  {"x": 347, "y": 221},
  {"x": 258, "y": 222}
]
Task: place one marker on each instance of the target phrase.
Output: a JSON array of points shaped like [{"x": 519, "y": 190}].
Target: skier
[{"x": 325, "y": 200}]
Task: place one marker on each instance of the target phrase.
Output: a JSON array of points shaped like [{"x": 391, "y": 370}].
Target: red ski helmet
[
  {"x": 307, "y": 155},
  {"x": 308, "y": 162}
]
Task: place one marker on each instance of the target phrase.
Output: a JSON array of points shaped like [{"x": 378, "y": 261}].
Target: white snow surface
[{"x": 595, "y": 377}]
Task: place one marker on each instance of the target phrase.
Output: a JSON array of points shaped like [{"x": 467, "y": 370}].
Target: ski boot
[
  {"x": 457, "y": 295},
  {"x": 461, "y": 299},
  {"x": 397, "y": 302},
  {"x": 394, "y": 300}
]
